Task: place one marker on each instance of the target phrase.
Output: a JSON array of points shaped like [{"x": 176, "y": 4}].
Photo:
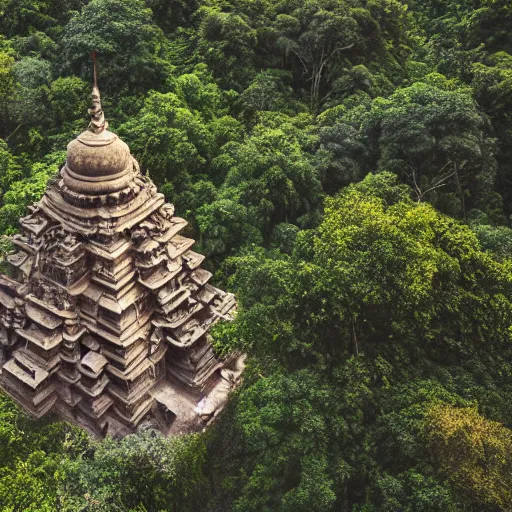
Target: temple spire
[
  {"x": 98, "y": 122},
  {"x": 107, "y": 323}
]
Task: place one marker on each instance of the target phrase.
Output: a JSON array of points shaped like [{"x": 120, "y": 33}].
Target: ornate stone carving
[{"x": 110, "y": 326}]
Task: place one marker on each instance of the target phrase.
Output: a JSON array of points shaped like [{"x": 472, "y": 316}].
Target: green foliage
[
  {"x": 177, "y": 134},
  {"x": 116, "y": 30},
  {"x": 10, "y": 169},
  {"x": 266, "y": 92},
  {"x": 67, "y": 97},
  {"x": 22, "y": 17},
  {"x": 268, "y": 179},
  {"x": 317, "y": 34},
  {"x": 474, "y": 453},
  {"x": 284, "y": 236},
  {"x": 492, "y": 83},
  {"x": 311, "y": 145},
  {"x": 28, "y": 190},
  {"x": 227, "y": 42},
  {"x": 412, "y": 491},
  {"x": 145, "y": 469},
  {"x": 47, "y": 466},
  {"x": 33, "y": 76},
  {"x": 384, "y": 271},
  {"x": 169, "y": 139},
  {"x": 290, "y": 424},
  {"x": 342, "y": 317},
  {"x": 31, "y": 455},
  {"x": 7, "y": 86},
  {"x": 433, "y": 137}
]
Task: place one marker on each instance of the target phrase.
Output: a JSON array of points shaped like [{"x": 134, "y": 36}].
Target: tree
[
  {"x": 226, "y": 224},
  {"x": 297, "y": 429},
  {"x": 21, "y": 193},
  {"x": 68, "y": 99},
  {"x": 413, "y": 491},
  {"x": 497, "y": 239},
  {"x": 173, "y": 14},
  {"x": 267, "y": 179},
  {"x": 475, "y": 454},
  {"x": 7, "y": 87},
  {"x": 169, "y": 140},
  {"x": 434, "y": 137},
  {"x": 32, "y": 454},
  {"x": 33, "y": 77},
  {"x": 227, "y": 42},
  {"x": 488, "y": 24},
  {"x": 22, "y": 17},
  {"x": 267, "y": 91},
  {"x": 353, "y": 338},
  {"x": 177, "y": 134},
  {"x": 10, "y": 170},
  {"x": 145, "y": 471},
  {"x": 376, "y": 271},
  {"x": 492, "y": 83},
  {"x": 131, "y": 48},
  {"x": 317, "y": 33},
  {"x": 343, "y": 152}
]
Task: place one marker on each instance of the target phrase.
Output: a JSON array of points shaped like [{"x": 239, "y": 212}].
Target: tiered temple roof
[{"x": 105, "y": 317}]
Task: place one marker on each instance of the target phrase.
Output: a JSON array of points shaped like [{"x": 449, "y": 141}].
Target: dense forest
[{"x": 346, "y": 166}]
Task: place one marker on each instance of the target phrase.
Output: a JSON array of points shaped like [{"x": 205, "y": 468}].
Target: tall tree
[{"x": 131, "y": 47}]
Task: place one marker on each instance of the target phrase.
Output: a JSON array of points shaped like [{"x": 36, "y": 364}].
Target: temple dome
[
  {"x": 98, "y": 162},
  {"x": 96, "y": 155}
]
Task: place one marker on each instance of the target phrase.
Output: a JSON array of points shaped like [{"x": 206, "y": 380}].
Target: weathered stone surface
[{"x": 106, "y": 316}]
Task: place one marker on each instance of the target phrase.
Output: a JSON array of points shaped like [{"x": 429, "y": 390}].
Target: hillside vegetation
[{"x": 346, "y": 167}]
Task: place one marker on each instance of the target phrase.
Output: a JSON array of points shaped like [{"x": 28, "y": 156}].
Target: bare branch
[
  {"x": 440, "y": 183},
  {"x": 442, "y": 168},
  {"x": 416, "y": 186}
]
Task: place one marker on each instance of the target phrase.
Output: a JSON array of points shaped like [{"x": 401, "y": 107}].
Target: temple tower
[{"x": 105, "y": 317}]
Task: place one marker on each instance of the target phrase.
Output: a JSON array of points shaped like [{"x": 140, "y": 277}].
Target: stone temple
[{"x": 104, "y": 319}]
